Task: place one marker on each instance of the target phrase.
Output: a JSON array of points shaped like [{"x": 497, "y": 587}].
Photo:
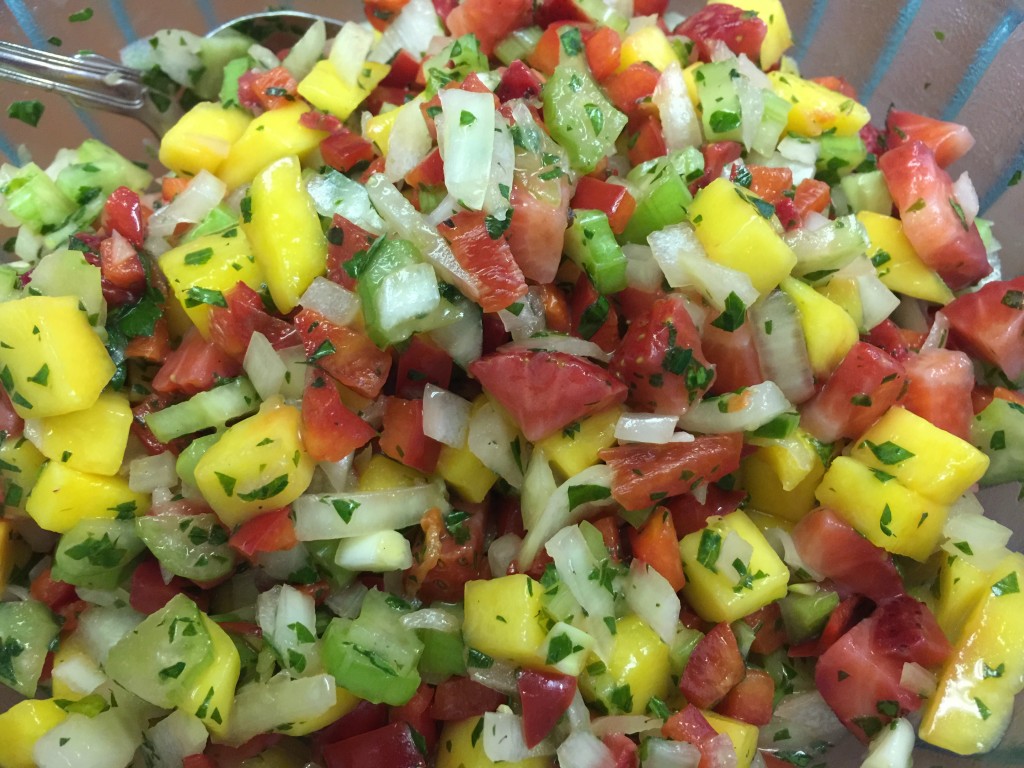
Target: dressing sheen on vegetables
[{"x": 507, "y": 383}]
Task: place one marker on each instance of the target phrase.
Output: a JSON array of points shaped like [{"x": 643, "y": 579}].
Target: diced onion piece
[
  {"x": 742, "y": 411},
  {"x": 307, "y": 51},
  {"x": 734, "y": 556},
  {"x": 559, "y": 342},
  {"x": 79, "y": 673},
  {"x": 803, "y": 151},
  {"x": 100, "y": 628},
  {"x": 409, "y": 142},
  {"x": 538, "y": 486},
  {"x": 500, "y": 676},
  {"x": 201, "y": 196},
  {"x": 576, "y": 564},
  {"x": 338, "y": 473},
  {"x": 264, "y": 707},
  {"x": 344, "y": 515},
  {"x": 335, "y": 302},
  {"x": 652, "y": 598},
  {"x": 445, "y": 416},
  {"x": 503, "y": 161},
  {"x": 662, "y": 753},
  {"x": 752, "y": 72},
  {"x": 496, "y": 442},
  {"x": 642, "y": 270},
  {"x": 335, "y": 193},
  {"x": 413, "y": 29},
  {"x": 978, "y": 539},
  {"x": 377, "y": 552},
  {"x": 349, "y": 51},
  {"x": 781, "y": 346},
  {"x": 263, "y": 366},
  {"x": 918, "y": 679},
  {"x": 348, "y": 602},
  {"x": 680, "y": 125},
  {"x": 263, "y": 56},
  {"x": 108, "y": 740},
  {"x": 503, "y": 552},
  {"x": 967, "y": 196},
  {"x": 645, "y": 428},
  {"x": 462, "y": 339},
  {"x": 525, "y": 317},
  {"x": 287, "y": 618},
  {"x": 751, "y": 98},
  {"x": 876, "y": 300},
  {"x": 504, "y": 741},
  {"x": 174, "y": 738},
  {"x": 432, "y": 618},
  {"x": 148, "y": 473},
  {"x": 805, "y": 717},
  {"x": 893, "y": 747},
  {"x": 937, "y": 334},
  {"x": 784, "y": 546},
  {"x": 604, "y": 726},
  {"x": 467, "y": 142},
  {"x": 584, "y": 750}
]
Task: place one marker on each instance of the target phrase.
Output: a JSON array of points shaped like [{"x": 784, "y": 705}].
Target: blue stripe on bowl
[
  {"x": 982, "y": 60},
  {"x": 892, "y": 47},
  {"x": 813, "y": 22},
  {"x": 209, "y": 14},
  {"x": 123, "y": 19},
  {"x": 7, "y": 148},
  {"x": 991, "y": 195}
]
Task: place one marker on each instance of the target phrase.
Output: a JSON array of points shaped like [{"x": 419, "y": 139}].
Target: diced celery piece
[
  {"x": 661, "y": 190},
  {"x": 453, "y": 63},
  {"x": 443, "y": 655},
  {"x": 213, "y": 408},
  {"x": 518, "y": 45},
  {"x": 679, "y": 653},
  {"x": 97, "y": 553},
  {"x": 27, "y": 629},
  {"x": 36, "y": 201},
  {"x": 590, "y": 242},
  {"x": 839, "y": 156},
  {"x": 867, "y": 192},
  {"x": 721, "y": 114},
  {"x": 773, "y": 122}
]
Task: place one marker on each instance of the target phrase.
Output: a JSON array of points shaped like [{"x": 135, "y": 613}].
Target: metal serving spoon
[{"x": 96, "y": 82}]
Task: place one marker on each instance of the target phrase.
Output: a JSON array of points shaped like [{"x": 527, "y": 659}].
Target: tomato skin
[
  {"x": 734, "y": 357},
  {"x": 864, "y": 386},
  {"x": 232, "y": 327},
  {"x": 717, "y": 155},
  {"x": 490, "y": 20},
  {"x": 811, "y": 195},
  {"x": 989, "y": 323},
  {"x": 614, "y": 199},
  {"x": 545, "y": 697},
  {"x": 429, "y": 172},
  {"x": 714, "y": 668},
  {"x": 392, "y": 745},
  {"x": 416, "y": 713},
  {"x": 52, "y": 593},
  {"x": 402, "y": 438},
  {"x": 661, "y": 361},
  {"x": 644, "y": 474},
  {"x": 422, "y": 363},
  {"x": 949, "y": 141},
  {"x": 751, "y": 699},
  {"x": 531, "y": 384},
  {"x": 355, "y": 360},
  {"x": 123, "y": 213},
  {"x": 330, "y": 431},
  {"x": 344, "y": 241},
  {"x": 890, "y": 338},
  {"x": 496, "y": 279},
  {"x": 740, "y": 31},
  {"x": 344, "y": 150},
  {"x": 364, "y": 718},
  {"x": 271, "y": 531},
  {"x": 460, "y": 697},
  {"x": 923, "y": 193},
  {"x": 195, "y": 366},
  {"x": 657, "y": 545},
  {"x": 906, "y": 629},
  {"x": 518, "y": 81},
  {"x": 833, "y": 548},
  {"x": 940, "y": 382},
  {"x": 769, "y": 631},
  {"x": 443, "y": 563},
  {"x": 690, "y": 725},
  {"x": 11, "y": 424}
]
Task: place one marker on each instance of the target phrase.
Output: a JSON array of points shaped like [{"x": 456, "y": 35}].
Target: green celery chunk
[
  {"x": 590, "y": 242},
  {"x": 839, "y": 156},
  {"x": 443, "y": 655},
  {"x": 212, "y": 408},
  {"x": 805, "y": 615},
  {"x": 998, "y": 432},
  {"x": 661, "y": 190}
]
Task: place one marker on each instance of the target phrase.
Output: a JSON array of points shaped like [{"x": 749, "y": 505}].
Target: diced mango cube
[
  {"x": 886, "y": 512},
  {"x": 647, "y": 44},
  {"x": 202, "y": 138},
  {"x": 816, "y": 109},
  {"x": 91, "y": 440},
  {"x": 742, "y": 735},
  {"x": 735, "y": 232},
  {"x": 898, "y": 266},
  {"x": 778, "y": 38},
  {"x": 636, "y": 669},
  {"x": 21, "y": 727},
  {"x": 690, "y": 78},
  {"x": 461, "y": 745},
  {"x": 384, "y": 474},
  {"x": 378, "y": 128},
  {"x": 923, "y": 457},
  {"x": 575, "y": 447},
  {"x": 973, "y": 706},
  {"x": 845, "y": 292},
  {"x": 767, "y": 485},
  {"x": 830, "y": 332},
  {"x": 711, "y": 591},
  {"x": 961, "y": 586},
  {"x": 285, "y": 233},
  {"x": 465, "y": 473},
  {"x": 258, "y": 464},
  {"x": 271, "y": 136},
  {"x": 201, "y": 271},
  {"x": 63, "y": 496},
  {"x": 51, "y": 360},
  {"x": 324, "y": 88},
  {"x": 503, "y": 618},
  {"x": 20, "y": 462}
]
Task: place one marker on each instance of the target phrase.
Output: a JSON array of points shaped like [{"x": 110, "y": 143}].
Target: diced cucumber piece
[
  {"x": 27, "y": 630},
  {"x": 867, "y": 192},
  {"x": 443, "y": 655},
  {"x": 213, "y": 408},
  {"x": 36, "y": 201},
  {"x": 590, "y": 242},
  {"x": 805, "y": 615},
  {"x": 518, "y": 45},
  {"x": 821, "y": 252},
  {"x": 721, "y": 114},
  {"x": 192, "y": 546},
  {"x": 97, "y": 553},
  {"x": 998, "y": 431},
  {"x": 839, "y": 156},
  {"x": 189, "y": 458},
  {"x": 773, "y": 122},
  {"x": 453, "y": 63}
]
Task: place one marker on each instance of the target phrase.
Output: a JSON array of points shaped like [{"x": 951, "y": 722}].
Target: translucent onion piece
[
  {"x": 967, "y": 196},
  {"x": 893, "y": 747},
  {"x": 335, "y": 302},
  {"x": 918, "y": 679},
  {"x": 495, "y": 441},
  {"x": 100, "y": 628},
  {"x": 937, "y": 334},
  {"x": 680, "y": 125},
  {"x": 333, "y": 192},
  {"x": 743, "y": 411},
  {"x": 409, "y": 142},
  {"x": 108, "y": 740},
  {"x": 525, "y": 317},
  {"x": 349, "y": 51},
  {"x": 307, "y": 51},
  {"x": 503, "y": 738},
  {"x": 662, "y": 753},
  {"x": 432, "y": 618},
  {"x": 500, "y": 676},
  {"x": 413, "y": 29},
  {"x": 467, "y": 142},
  {"x": 584, "y": 750},
  {"x": 806, "y": 717},
  {"x": 264, "y": 707},
  {"x": 978, "y": 539},
  {"x": 602, "y": 726},
  {"x": 558, "y": 342},
  {"x": 201, "y": 196},
  {"x": 174, "y": 738},
  {"x": 653, "y": 599},
  {"x": 575, "y": 564},
  {"x": 263, "y": 366},
  {"x": 781, "y": 346},
  {"x": 503, "y": 552},
  {"x": 445, "y": 416},
  {"x": 642, "y": 270},
  {"x": 343, "y": 515},
  {"x": 645, "y": 428},
  {"x": 148, "y": 473},
  {"x": 287, "y": 618},
  {"x": 803, "y": 151},
  {"x": 79, "y": 673}
]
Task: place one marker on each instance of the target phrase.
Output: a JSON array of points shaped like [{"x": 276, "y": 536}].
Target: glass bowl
[{"x": 960, "y": 60}]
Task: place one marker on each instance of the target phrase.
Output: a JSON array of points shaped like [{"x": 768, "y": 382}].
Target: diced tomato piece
[
  {"x": 751, "y": 699},
  {"x": 450, "y": 553},
  {"x": 402, "y": 437},
  {"x": 550, "y": 12},
  {"x": 690, "y": 725},
  {"x": 518, "y": 81},
  {"x": 661, "y": 361},
  {"x": 404, "y": 69},
  {"x": 346, "y": 353},
  {"x": 344, "y": 150},
  {"x": 769, "y": 630},
  {"x": 614, "y": 199},
  {"x": 345, "y": 241},
  {"x": 172, "y": 186},
  {"x": 733, "y": 356},
  {"x": 833, "y": 548},
  {"x": 490, "y": 20},
  {"x": 837, "y": 84},
  {"x": 850, "y": 612},
  {"x": 647, "y": 142},
  {"x": 316, "y": 120},
  {"x": 271, "y": 531},
  {"x": 787, "y": 213},
  {"x": 603, "y": 48},
  {"x": 715, "y": 666},
  {"x": 274, "y": 88},
  {"x": 657, "y": 545},
  {"x": 624, "y": 750},
  {"x": 429, "y": 172},
  {"x": 545, "y": 697},
  {"x": 608, "y": 527},
  {"x": 148, "y": 592},
  {"x": 416, "y": 714},
  {"x": 422, "y": 363},
  {"x": 940, "y": 383},
  {"x": 537, "y": 231},
  {"x": 741, "y": 31},
  {"x": 496, "y": 281},
  {"x": 50, "y": 592},
  {"x": 864, "y": 386},
  {"x": 198, "y": 761},
  {"x": 629, "y": 89},
  {"x": 932, "y": 219},
  {"x": 153, "y": 349},
  {"x": 989, "y": 323},
  {"x": 890, "y": 338},
  {"x": 594, "y": 317},
  {"x": 770, "y": 183},
  {"x": 232, "y": 327},
  {"x": 381, "y": 13},
  {"x": 459, "y": 697},
  {"x": 145, "y": 435},
  {"x": 811, "y": 195},
  {"x": 330, "y": 431},
  {"x": 557, "y": 314},
  {"x": 949, "y": 141},
  {"x": 366, "y": 717},
  {"x": 121, "y": 267},
  {"x": 906, "y": 629},
  {"x": 123, "y": 213},
  {"x": 11, "y": 424},
  {"x": 548, "y": 52},
  {"x": 393, "y": 746},
  {"x": 531, "y": 385},
  {"x": 195, "y": 366},
  {"x": 222, "y": 754},
  {"x": 645, "y": 474},
  {"x": 717, "y": 155}
]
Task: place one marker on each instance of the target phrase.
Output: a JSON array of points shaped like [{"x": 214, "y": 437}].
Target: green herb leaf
[
  {"x": 28, "y": 111},
  {"x": 709, "y": 549},
  {"x": 888, "y": 452},
  {"x": 581, "y": 494}
]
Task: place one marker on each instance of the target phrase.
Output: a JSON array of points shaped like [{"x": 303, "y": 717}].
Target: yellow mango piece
[
  {"x": 202, "y": 138},
  {"x": 51, "y": 360},
  {"x": 735, "y": 234},
  {"x": 816, "y": 109},
  {"x": 778, "y": 38},
  {"x": 90, "y": 440},
  {"x": 63, "y": 496},
  {"x": 961, "y": 585},
  {"x": 637, "y": 668},
  {"x": 258, "y": 464},
  {"x": 22, "y": 725},
  {"x": 465, "y": 473},
  {"x": 712, "y": 593},
  {"x": 386, "y": 474},
  {"x": 71, "y": 649},
  {"x": 503, "y": 618},
  {"x": 324, "y": 88},
  {"x": 767, "y": 486},
  {"x": 941, "y": 466},
  {"x": 461, "y": 745},
  {"x": 284, "y": 232},
  {"x": 271, "y": 136},
  {"x": 20, "y": 462},
  {"x": 201, "y": 271},
  {"x": 575, "y": 447},
  {"x": 742, "y": 735},
  {"x": 973, "y": 705},
  {"x": 647, "y": 44},
  {"x": 213, "y": 694},
  {"x": 829, "y": 331},
  {"x": 690, "y": 78},
  {"x": 903, "y": 272},
  {"x": 346, "y": 702},
  {"x": 845, "y": 292},
  {"x": 378, "y": 128},
  {"x": 6, "y": 552},
  {"x": 887, "y": 513}
]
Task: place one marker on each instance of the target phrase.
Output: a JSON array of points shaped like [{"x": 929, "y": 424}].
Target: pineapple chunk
[
  {"x": 285, "y": 233},
  {"x": 647, "y": 44},
  {"x": 461, "y": 745},
  {"x": 830, "y": 332},
  {"x": 903, "y": 271},
  {"x": 972, "y": 708},
  {"x": 257, "y": 465},
  {"x": 742, "y": 735},
  {"x": 735, "y": 232},
  {"x": 200, "y": 272},
  {"x": 503, "y": 618},
  {"x": 778, "y": 38},
  {"x": 202, "y": 138},
  {"x": 575, "y": 447},
  {"x": 62, "y": 497},
  {"x": 324, "y": 88},
  {"x": 51, "y": 360},
  {"x": 22, "y": 725},
  {"x": 816, "y": 109},
  {"x": 636, "y": 669},
  {"x": 91, "y": 440},
  {"x": 271, "y": 136}
]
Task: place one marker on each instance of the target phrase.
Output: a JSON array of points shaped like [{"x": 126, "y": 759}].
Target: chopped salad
[{"x": 507, "y": 383}]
